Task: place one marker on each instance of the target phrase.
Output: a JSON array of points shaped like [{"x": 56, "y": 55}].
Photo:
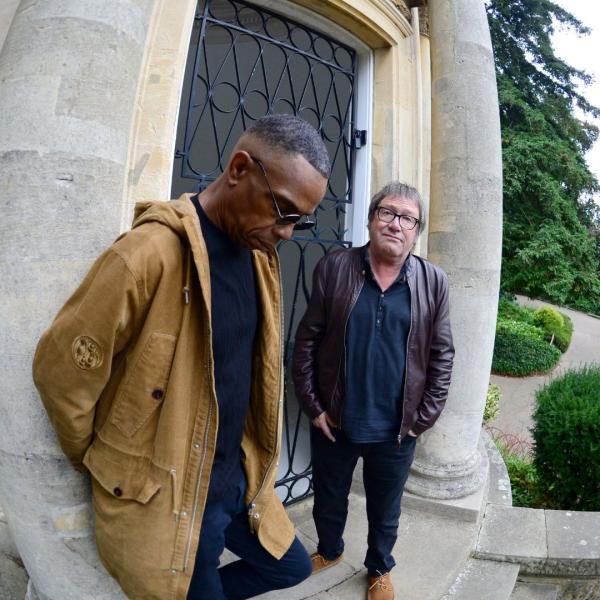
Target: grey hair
[
  {"x": 293, "y": 135},
  {"x": 397, "y": 189}
]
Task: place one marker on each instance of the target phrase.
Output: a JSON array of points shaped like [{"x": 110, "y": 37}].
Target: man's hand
[{"x": 323, "y": 422}]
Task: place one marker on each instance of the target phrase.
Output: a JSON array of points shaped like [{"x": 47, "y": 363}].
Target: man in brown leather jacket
[{"x": 372, "y": 366}]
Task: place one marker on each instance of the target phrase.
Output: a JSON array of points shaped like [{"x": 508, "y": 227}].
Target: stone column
[
  {"x": 69, "y": 74},
  {"x": 465, "y": 237}
]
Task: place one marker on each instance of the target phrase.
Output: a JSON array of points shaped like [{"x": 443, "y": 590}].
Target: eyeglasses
[
  {"x": 300, "y": 222},
  {"x": 387, "y": 216}
]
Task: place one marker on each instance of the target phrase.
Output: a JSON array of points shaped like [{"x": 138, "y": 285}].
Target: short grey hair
[
  {"x": 293, "y": 135},
  {"x": 397, "y": 189}
]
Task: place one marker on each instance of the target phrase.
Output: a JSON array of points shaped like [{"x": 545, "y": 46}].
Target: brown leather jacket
[{"x": 320, "y": 351}]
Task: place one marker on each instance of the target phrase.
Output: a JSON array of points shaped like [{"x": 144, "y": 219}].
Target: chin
[{"x": 260, "y": 245}]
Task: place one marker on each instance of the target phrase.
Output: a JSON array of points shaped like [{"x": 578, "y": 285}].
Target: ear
[{"x": 238, "y": 167}]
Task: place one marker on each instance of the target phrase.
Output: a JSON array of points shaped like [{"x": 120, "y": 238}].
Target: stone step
[
  {"x": 483, "y": 579},
  {"x": 525, "y": 590},
  {"x": 546, "y": 543}
]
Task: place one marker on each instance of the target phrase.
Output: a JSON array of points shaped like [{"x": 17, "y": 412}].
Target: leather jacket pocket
[{"x": 144, "y": 388}]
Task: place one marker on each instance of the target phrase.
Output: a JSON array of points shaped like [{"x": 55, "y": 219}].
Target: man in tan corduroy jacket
[{"x": 162, "y": 376}]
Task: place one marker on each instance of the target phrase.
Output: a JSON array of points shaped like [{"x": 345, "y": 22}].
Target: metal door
[{"x": 245, "y": 62}]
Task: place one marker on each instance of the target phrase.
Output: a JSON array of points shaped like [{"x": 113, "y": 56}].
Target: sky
[{"x": 584, "y": 53}]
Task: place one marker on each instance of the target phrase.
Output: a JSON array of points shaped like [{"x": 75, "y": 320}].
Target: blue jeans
[
  {"x": 385, "y": 471},
  {"x": 225, "y": 525}
]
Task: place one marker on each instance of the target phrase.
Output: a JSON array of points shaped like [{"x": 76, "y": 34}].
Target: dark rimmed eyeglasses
[
  {"x": 299, "y": 222},
  {"x": 387, "y": 216}
]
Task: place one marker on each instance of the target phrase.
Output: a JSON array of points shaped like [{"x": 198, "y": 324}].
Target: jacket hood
[{"x": 170, "y": 213}]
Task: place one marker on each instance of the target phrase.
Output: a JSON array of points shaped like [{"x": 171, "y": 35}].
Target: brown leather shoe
[
  {"x": 380, "y": 588},
  {"x": 320, "y": 562}
]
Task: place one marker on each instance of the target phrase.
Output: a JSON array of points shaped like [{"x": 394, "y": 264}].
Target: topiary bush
[
  {"x": 567, "y": 439},
  {"x": 520, "y": 354},
  {"x": 548, "y": 319},
  {"x": 557, "y": 327},
  {"x": 492, "y": 401}
]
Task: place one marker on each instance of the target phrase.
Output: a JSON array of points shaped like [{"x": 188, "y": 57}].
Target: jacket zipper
[
  {"x": 352, "y": 305},
  {"x": 186, "y": 554},
  {"x": 406, "y": 362},
  {"x": 252, "y": 504}
]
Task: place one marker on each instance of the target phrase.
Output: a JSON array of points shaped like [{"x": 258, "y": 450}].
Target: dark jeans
[
  {"x": 385, "y": 470},
  {"x": 225, "y": 525}
]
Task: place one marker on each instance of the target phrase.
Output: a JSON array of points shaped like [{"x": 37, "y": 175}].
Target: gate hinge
[{"x": 360, "y": 137}]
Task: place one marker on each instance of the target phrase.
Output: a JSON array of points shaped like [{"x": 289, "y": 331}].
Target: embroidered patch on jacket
[{"x": 87, "y": 353}]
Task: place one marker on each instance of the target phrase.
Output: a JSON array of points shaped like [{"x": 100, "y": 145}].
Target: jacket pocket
[
  {"x": 132, "y": 500},
  {"x": 144, "y": 388},
  {"x": 123, "y": 476}
]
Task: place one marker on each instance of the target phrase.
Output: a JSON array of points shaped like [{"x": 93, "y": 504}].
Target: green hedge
[
  {"x": 520, "y": 328},
  {"x": 567, "y": 439},
  {"x": 527, "y": 339},
  {"x": 509, "y": 309},
  {"x": 520, "y": 354}
]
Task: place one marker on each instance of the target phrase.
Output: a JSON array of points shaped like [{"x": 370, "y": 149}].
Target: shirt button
[
  {"x": 118, "y": 492},
  {"x": 173, "y": 572},
  {"x": 256, "y": 515},
  {"x": 183, "y": 514},
  {"x": 196, "y": 445},
  {"x": 157, "y": 394}
]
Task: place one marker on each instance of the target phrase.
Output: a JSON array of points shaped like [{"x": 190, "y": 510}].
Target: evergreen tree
[{"x": 551, "y": 223}]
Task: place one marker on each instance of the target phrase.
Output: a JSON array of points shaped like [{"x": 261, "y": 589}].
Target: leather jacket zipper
[
  {"x": 352, "y": 305},
  {"x": 406, "y": 362}
]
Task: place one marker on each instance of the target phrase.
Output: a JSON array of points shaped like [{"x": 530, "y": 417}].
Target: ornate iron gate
[{"x": 245, "y": 62}]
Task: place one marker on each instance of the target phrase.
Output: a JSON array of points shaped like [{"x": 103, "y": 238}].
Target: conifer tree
[{"x": 551, "y": 223}]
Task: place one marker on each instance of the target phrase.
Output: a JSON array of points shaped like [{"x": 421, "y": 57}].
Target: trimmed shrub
[
  {"x": 491, "y": 402},
  {"x": 567, "y": 439},
  {"x": 521, "y": 354},
  {"x": 557, "y": 327},
  {"x": 548, "y": 319}
]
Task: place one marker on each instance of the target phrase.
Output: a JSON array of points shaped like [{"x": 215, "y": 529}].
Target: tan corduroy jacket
[{"x": 126, "y": 375}]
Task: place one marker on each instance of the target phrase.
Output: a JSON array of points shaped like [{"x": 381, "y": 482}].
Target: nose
[{"x": 395, "y": 224}]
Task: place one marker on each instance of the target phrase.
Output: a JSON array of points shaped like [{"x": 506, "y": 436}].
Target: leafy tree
[{"x": 551, "y": 246}]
